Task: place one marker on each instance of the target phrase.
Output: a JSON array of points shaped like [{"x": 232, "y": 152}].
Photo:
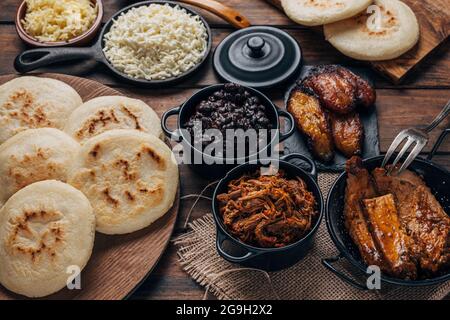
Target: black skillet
[
  {"x": 36, "y": 58},
  {"x": 436, "y": 178},
  {"x": 269, "y": 259}
]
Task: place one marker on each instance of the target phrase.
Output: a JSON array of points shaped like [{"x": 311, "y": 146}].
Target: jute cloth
[{"x": 308, "y": 279}]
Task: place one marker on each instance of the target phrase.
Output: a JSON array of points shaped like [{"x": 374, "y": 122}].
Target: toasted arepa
[
  {"x": 35, "y": 102},
  {"x": 130, "y": 177},
  {"x": 34, "y": 155},
  {"x": 319, "y": 12},
  {"x": 392, "y": 30},
  {"x": 112, "y": 112},
  {"x": 47, "y": 229}
]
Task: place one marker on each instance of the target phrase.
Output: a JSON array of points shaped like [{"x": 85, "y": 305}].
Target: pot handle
[
  {"x": 228, "y": 14},
  {"x": 328, "y": 263},
  {"x": 35, "y": 58},
  {"x": 312, "y": 172},
  {"x": 220, "y": 239},
  {"x": 174, "y": 135},
  {"x": 438, "y": 144},
  {"x": 290, "y": 118}
]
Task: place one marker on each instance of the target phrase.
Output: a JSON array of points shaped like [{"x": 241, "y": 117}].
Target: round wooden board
[{"x": 118, "y": 264}]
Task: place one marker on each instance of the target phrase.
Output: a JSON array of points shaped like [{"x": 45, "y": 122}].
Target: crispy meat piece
[
  {"x": 359, "y": 187},
  {"x": 390, "y": 239},
  {"x": 348, "y": 133},
  {"x": 408, "y": 226},
  {"x": 421, "y": 215},
  {"x": 313, "y": 122},
  {"x": 339, "y": 89}
]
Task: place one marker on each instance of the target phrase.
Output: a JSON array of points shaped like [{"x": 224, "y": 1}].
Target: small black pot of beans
[{"x": 224, "y": 125}]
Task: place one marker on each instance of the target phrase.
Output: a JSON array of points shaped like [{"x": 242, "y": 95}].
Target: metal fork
[{"x": 416, "y": 136}]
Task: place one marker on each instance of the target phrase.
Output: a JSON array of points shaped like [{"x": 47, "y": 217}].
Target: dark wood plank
[
  {"x": 169, "y": 282},
  {"x": 315, "y": 51}
]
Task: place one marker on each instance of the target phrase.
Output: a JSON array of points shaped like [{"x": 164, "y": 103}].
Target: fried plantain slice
[
  {"x": 339, "y": 89},
  {"x": 336, "y": 92},
  {"x": 313, "y": 122},
  {"x": 348, "y": 133}
]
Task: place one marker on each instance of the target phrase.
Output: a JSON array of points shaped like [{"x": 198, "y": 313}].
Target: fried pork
[
  {"x": 396, "y": 222},
  {"x": 268, "y": 211},
  {"x": 421, "y": 215}
]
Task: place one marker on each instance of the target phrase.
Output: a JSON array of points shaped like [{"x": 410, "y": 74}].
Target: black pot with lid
[{"x": 258, "y": 57}]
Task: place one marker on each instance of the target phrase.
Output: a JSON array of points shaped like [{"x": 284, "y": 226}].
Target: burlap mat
[{"x": 308, "y": 279}]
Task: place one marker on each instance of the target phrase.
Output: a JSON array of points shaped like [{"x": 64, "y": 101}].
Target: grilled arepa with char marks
[
  {"x": 34, "y": 155},
  {"x": 112, "y": 112},
  {"x": 397, "y": 32},
  {"x": 319, "y": 12},
  {"x": 44, "y": 228},
  {"x": 312, "y": 121},
  {"x": 130, "y": 177},
  {"x": 32, "y": 102}
]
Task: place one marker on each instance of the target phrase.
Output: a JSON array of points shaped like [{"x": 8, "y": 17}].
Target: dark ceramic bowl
[
  {"x": 269, "y": 259},
  {"x": 215, "y": 166},
  {"x": 79, "y": 41}
]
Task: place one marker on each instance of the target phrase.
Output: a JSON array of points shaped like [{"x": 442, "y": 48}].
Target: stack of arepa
[
  {"x": 371, "y": 30},
  {"x": 68, "y": 169}
]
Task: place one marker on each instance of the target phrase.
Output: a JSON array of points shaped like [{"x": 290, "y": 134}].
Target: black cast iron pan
[
  {"x": 436, "y": 178},
  {"x": 269, "y": 259},
  {"x": 36, "y": 58}
]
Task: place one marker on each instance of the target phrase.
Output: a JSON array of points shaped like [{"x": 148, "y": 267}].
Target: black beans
[{"x": 232, "y": 107}]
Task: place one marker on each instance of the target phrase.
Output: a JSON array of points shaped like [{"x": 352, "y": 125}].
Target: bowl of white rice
[{"x": 155, "y": 42}]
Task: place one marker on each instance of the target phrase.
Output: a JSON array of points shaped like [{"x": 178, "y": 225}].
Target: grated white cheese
[
  {"x": 58, "y": 20},
  {"x": 156, "y": 42}
]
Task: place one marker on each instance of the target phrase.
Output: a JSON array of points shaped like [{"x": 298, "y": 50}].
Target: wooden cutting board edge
[
  {"x": 160, "y": 231},
  {"x": 398, "y": 69}
]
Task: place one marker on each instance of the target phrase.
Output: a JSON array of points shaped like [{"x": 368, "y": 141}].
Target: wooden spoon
[{"x": 228, "y": 14}]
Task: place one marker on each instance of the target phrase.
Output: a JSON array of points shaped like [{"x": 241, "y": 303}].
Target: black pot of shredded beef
[{"x": 232, "y": 107}]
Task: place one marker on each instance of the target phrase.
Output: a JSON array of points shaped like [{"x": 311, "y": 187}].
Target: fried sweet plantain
[
  {"x": 339, "y": 89},
  {"x": 348, "y": 133},
  {"x": 365, "y": 93},
  {"x": 313, "y": 122}
]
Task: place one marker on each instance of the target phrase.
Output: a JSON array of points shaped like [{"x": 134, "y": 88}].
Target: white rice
[{"x": 156, "y": 42}]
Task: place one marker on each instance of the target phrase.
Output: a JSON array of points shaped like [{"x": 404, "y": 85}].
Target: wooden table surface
[{"x": 413, "y": 103}]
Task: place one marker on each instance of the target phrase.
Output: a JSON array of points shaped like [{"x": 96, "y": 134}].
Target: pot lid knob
[
  {"x": 256, "y": 44},
  {"x": 258, "y": 56}
]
